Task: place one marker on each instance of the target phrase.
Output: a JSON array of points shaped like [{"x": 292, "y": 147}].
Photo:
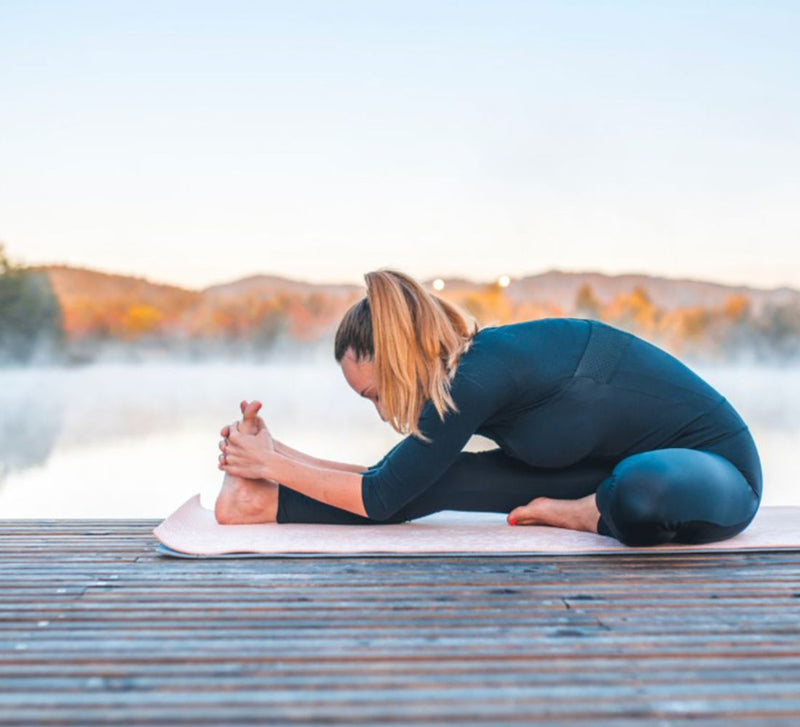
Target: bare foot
[
  {"x": 580, "y": 514},
  {"x": 243, "y": 501}
]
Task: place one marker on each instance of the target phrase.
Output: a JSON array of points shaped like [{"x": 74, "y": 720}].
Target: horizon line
[{"x": 426, "y": 280}]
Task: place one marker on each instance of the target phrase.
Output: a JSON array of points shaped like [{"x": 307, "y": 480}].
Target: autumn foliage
[
  {"x": 708, "y": 331},
  {"x": 98, "y": 310}
]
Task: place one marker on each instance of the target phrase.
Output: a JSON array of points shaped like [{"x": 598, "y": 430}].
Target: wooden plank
[{"x": 98, "y": 628}]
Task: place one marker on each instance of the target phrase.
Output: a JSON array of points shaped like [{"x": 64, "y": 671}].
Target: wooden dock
[{"x": 97, "y": 628}]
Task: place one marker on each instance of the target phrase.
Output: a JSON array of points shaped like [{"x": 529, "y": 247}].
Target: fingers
[
  {"x": 222, "y": 462},
  {"x": 230, "y": 445}
]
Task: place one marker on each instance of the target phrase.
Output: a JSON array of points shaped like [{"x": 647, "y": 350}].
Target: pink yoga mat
[{"x": 192, "y": 531}]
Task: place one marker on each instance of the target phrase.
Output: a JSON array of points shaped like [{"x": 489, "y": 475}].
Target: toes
[
  {"x": 530, "y": 514},
  {"x": 251, "y": 410},
  {"x": 519, "y": 513},
  {"x": 518, "y": 520}
]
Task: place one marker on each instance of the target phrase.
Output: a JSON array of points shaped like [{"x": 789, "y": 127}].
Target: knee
[
  {"x": 380, "y": 514},
  {"x": 643, "y": 486},
  {"x": 635, "y": 500}
]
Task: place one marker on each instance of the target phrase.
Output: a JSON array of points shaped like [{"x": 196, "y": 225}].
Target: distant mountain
[
  {"x": 555, "y": 286},
  {"x": 551, "y": 287},
  {"x": 117, "y": 315},
  {"x": 266, "y": 286},
  {"x": 79, "y": 285}
]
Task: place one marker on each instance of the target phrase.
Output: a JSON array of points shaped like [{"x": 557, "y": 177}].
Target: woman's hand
[
  {"x": 239, "y": 455},
  {"x": 246, "y": 455}
]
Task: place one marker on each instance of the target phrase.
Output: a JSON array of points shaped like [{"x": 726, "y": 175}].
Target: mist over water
[
  {"x": 134, "y": 440},
  {"x": 137, "y": 440}
]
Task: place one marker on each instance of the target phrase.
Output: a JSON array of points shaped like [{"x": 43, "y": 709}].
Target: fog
[{"x": 136, "y": 440}]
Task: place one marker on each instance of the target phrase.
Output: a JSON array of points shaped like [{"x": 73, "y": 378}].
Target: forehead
[{"x": 357, "y": 373}]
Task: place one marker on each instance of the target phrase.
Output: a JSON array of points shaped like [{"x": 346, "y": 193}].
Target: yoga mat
[{"x": 193, "y": 532}]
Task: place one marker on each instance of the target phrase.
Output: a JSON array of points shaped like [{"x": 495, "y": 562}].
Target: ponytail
[{"x": 415, "y": 340}]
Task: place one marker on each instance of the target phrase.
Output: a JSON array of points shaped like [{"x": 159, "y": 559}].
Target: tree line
[
  {"x": 729, "y": 331},
  {"x": 31, "y": 322},
  {"x": 35, "y": 325}
]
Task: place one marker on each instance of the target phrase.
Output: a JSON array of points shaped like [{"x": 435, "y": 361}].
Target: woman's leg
[
  {"x": 489, "y": 481},
  {"x": 675, "y": 495}
]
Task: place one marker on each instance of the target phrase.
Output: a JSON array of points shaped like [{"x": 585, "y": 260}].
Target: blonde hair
[{"x": 415, "y": 340}]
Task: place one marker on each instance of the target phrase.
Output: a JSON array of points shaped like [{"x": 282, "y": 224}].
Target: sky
[{"x": 197, "y": 142}]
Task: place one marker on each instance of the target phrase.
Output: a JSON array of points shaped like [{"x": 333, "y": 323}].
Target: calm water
[{"x": 137, "y": 440}]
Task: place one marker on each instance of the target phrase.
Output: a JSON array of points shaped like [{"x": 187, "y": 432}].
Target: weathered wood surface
[{"x": 97, "y": 628}]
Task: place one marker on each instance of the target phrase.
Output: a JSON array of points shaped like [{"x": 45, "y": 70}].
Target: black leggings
[{"x": 664, "y": 495}]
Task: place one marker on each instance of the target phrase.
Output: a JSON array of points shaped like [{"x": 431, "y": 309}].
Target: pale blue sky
[{"x": 195, "y": 142}]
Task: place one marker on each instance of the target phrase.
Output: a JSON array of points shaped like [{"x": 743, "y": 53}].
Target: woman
[{"x": 598, "y": 430}]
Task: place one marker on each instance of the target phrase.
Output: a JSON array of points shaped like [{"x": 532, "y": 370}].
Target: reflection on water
[{"x": 133, "y": 440}]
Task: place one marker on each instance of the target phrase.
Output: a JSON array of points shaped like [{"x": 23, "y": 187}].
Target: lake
[{"x": 137, "y": 440}]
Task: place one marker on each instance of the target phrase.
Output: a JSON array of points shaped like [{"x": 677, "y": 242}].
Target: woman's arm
[
  {"x": 335, "y": 487},
  {"x": 299, "y": 456},
  {"x": 483, "y": 385},
  {"x": 255, "y": 457},
  {"x": 295, "y": 454}
]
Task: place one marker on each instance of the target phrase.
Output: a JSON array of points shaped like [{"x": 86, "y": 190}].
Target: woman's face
[{"x": 360, "y": 376}]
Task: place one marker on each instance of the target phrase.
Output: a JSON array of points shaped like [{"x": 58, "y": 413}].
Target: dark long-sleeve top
[{"x": 521, "y": 386}]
